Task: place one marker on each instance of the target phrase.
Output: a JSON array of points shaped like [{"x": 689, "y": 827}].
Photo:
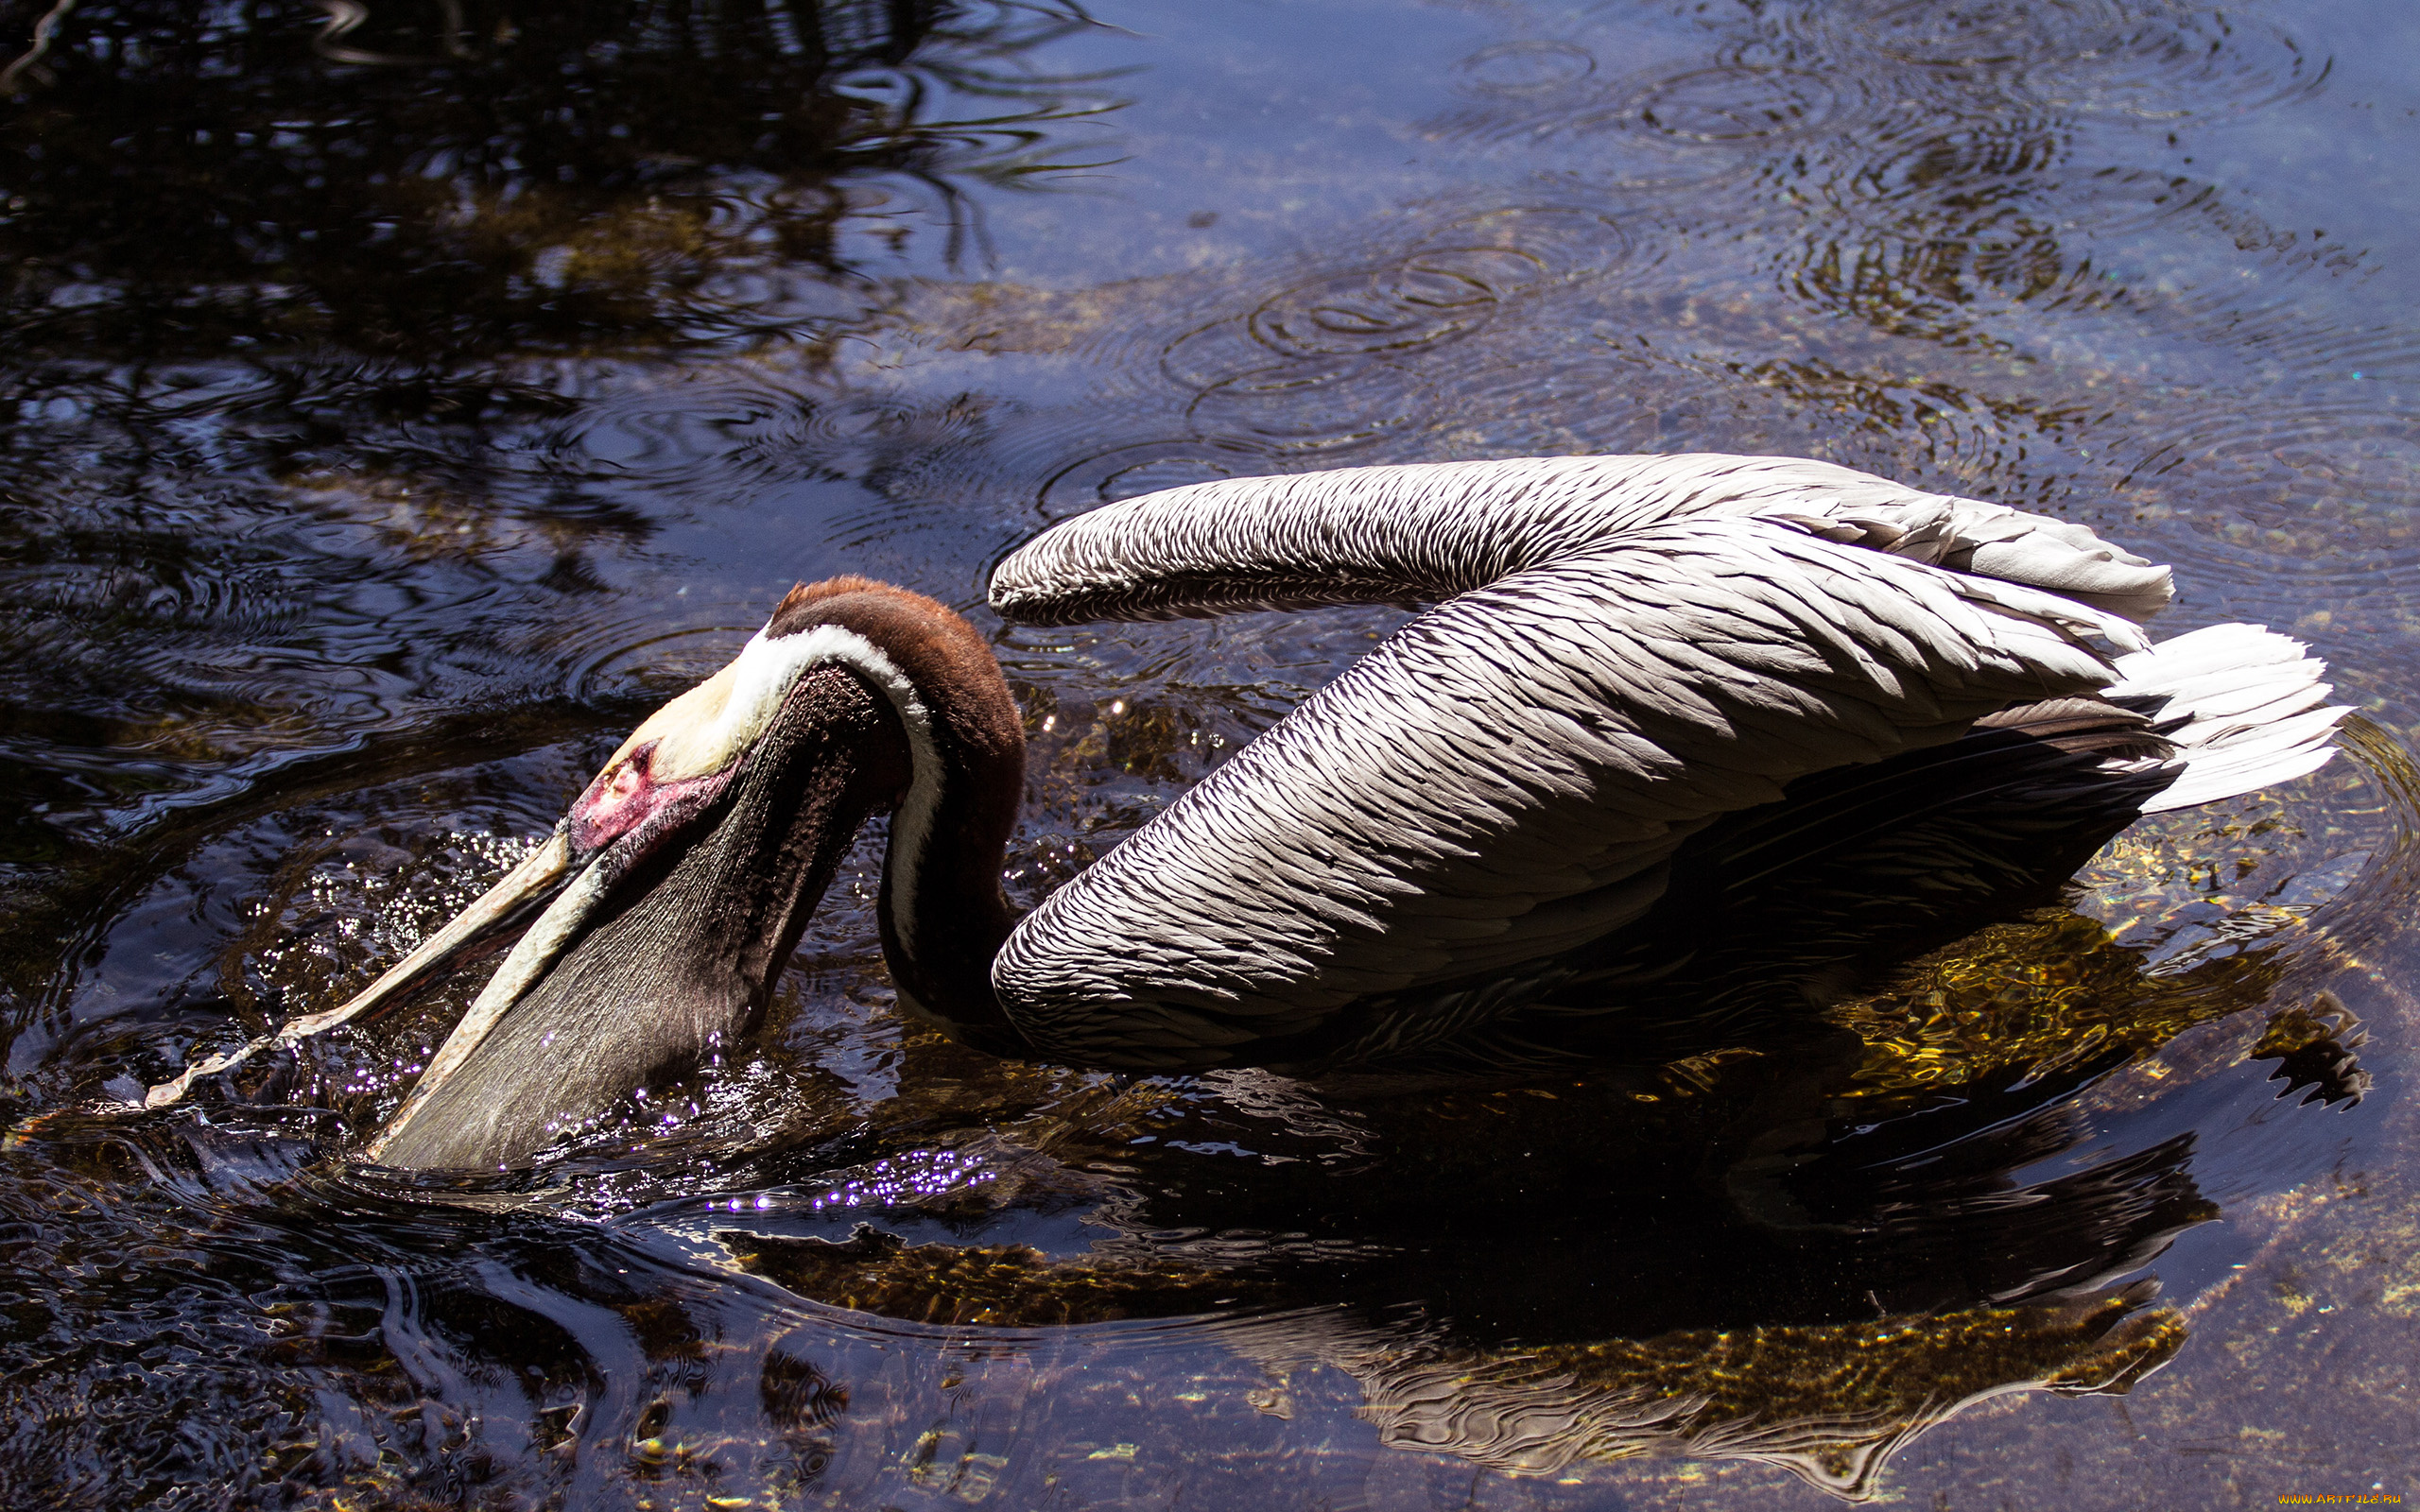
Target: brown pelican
[{"x": 1648, "y": 687}]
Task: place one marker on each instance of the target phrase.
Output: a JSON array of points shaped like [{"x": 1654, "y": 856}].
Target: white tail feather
[{"x": 2254, "y": 708}]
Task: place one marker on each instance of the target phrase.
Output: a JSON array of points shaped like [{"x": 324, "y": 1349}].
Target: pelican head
[{"x": 680, "y": 879}]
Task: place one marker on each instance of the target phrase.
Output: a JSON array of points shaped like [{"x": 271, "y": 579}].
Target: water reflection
[
  {"x": 418, "y": 182},
  {"x": 346, "y": 525}
]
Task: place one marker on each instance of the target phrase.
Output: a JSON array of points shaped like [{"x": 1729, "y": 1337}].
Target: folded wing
[{"x": 1629, "y": 648}]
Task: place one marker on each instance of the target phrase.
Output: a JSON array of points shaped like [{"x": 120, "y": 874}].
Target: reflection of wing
[
  {"x": 1503, "y": 779},
  {"x": 1828, "y": 1404}
]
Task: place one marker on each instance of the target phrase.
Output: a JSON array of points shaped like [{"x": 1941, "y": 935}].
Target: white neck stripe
[{"x": 763, "y": 676}]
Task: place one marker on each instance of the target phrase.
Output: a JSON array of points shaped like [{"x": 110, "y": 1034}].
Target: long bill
[
  {"x": 663, "y": 947},
  {"x": 538, "y": 873},
  {"x": 690, "y": 865},
  {"x": 624, "y": 796},
  {"x": 531, "y": 955}
]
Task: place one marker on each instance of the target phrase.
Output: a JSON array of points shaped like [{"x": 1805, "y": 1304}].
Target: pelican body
[{"x": 1655, "y": 699}]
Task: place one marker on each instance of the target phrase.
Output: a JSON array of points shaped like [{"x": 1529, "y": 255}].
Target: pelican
[{"x": 1647, "y": 691}]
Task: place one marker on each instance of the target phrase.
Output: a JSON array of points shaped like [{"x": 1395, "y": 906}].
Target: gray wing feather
[
  {"x": 1427, "y": 531},
  {"x": 1505, "y": 777}
]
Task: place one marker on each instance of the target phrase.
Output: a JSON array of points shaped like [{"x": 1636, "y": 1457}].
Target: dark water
[{"x": 402, "y": 400}]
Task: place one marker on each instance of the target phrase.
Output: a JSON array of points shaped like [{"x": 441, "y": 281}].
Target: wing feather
[
  {"x": 1428, "y": 531},
  {"x": 1504, "y": 778}
]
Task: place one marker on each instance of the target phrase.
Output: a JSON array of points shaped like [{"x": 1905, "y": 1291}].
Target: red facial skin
[{"x": 626, "y": 801}]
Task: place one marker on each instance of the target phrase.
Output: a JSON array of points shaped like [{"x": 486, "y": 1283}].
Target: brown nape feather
[
  {"x": 945, "y": 656},
  {"x": 801, "y": 594},
  {"x": 939, "y": 947}
]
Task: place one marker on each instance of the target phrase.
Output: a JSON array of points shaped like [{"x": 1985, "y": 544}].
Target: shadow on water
[{"x": 402, "y": 398}]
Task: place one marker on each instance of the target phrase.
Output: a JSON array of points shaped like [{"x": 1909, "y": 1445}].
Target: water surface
[{"x": 401, "y": 401}]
